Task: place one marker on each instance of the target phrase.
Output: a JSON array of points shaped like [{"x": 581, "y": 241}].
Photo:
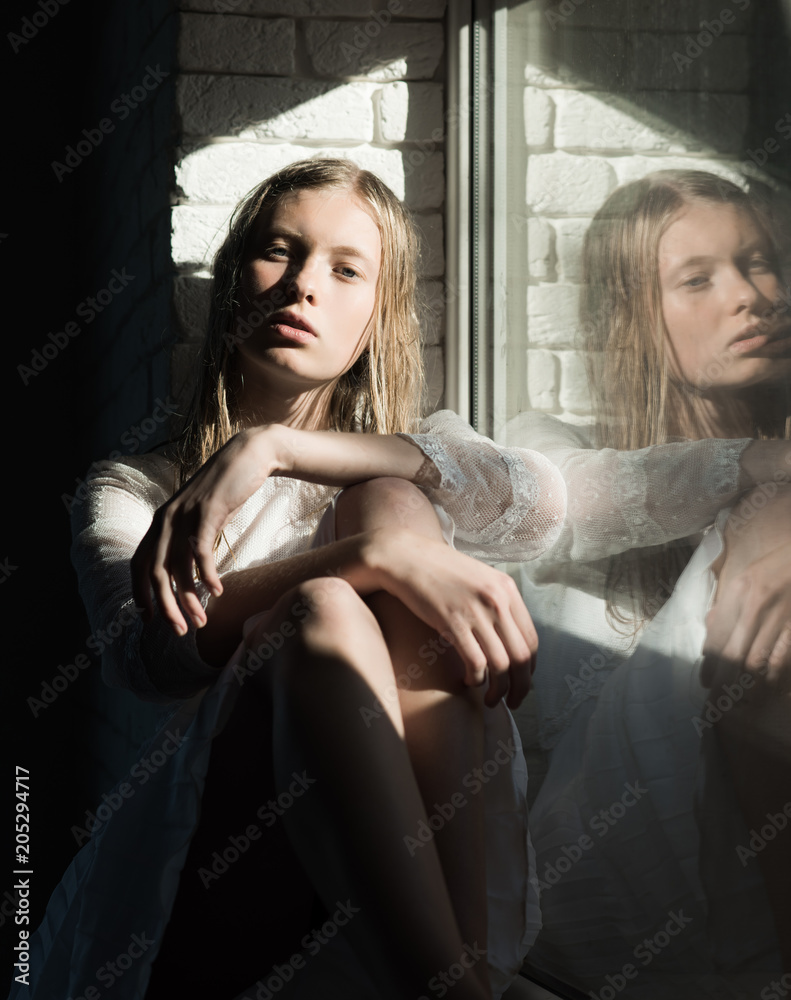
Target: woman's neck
[{"x": 256, "y": 404}]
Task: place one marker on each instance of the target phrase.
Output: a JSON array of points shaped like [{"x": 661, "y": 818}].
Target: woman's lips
[
  {"x": 293, "y": 332},
  {"x": 292, "y": 327},
  {"x": 776, "y": 343}
]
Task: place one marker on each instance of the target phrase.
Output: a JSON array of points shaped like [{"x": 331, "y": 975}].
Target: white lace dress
[
  {"x": 635, "y": 821},
  {"x": 124, "y": 880}
]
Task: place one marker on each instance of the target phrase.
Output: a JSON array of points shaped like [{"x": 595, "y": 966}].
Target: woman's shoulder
[{"x": 149, "y": 478}]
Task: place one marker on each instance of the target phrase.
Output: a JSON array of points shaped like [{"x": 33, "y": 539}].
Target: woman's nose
[
  {"x": 747, "y": 294},
  {"x": 302, "y": 281}
]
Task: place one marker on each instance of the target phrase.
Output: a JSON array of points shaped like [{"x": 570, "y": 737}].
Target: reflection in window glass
[{"x": 638, "y": 335}]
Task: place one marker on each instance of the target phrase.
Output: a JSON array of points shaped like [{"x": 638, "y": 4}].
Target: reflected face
[
  {"x": 720, "y": 299},
  {"x": 308, "y": 288}
]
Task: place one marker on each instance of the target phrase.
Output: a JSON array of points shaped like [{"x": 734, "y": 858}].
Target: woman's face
[
  {"x": 720, "y": 299},
  {"x": 308, "y": 289}
]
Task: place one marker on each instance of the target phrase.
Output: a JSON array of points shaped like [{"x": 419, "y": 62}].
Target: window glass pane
[{"x": 643, "y": 365}]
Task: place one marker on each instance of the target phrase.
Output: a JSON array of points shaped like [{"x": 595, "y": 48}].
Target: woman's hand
[
  {"x": 473, "y": 605},
  {"x": 750, "y": 622},
  {"x": 182, "y": 535}
]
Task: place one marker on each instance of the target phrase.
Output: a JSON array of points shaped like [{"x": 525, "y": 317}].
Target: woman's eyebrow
[
  {"x": 690, "y": 262},
  {"x": 348, "y": 251},
  {"x": 344, "y": 251}
]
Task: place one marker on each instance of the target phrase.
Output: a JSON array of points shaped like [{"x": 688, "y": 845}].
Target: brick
[
  {"x": 268, "y": 107},
  {"x": 677, "y": 62},
  {"x": 223, "y": 172},
  {"x": 423, "y": 179},
  {"x": 431, "y": 311},
  {"x": 552, "y": 315},
  {"x": 197, "y": 233},
  {"x": 540, "y": 248},
  {"x": 542, "y": 380},
  {"x": 213, "y": 43},
  {"x": 289, "y": 8},
  {"x": 433, "y": 363},
  {"x": 396, "y": 51},
  {"x": 569, "y": 238},
  {"x": 569, "y": 56},
  {"x": 539, "y": 116},
  {"x": 632, "y": 168},
  {"x": 561, "y": 184},
  {"x": 574, "y": 391},
  {"x": 432, "y": 262},
  {"x": 411, "y": 112},
  {"x": 191, "y": 305},
  {"x": 664, "y": 122}
]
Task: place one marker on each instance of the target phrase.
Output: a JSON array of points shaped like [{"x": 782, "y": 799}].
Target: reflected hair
[
  {"x": 382, "y": 391},
  {"x": 637, "y": 399}
]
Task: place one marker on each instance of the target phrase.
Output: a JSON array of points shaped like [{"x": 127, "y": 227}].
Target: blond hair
[
  {"x": 637, "y": 399},
  {"x": 382, "y": 391}
]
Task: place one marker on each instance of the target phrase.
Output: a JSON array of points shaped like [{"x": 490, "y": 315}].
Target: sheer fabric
[
  {"x": 617, "y": 714},
  {"x": 125, "y": 877}
]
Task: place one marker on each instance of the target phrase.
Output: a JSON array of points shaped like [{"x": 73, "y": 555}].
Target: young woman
[
  {"x": 660, "y": 763},
  {"x": 331, "y": 806}
]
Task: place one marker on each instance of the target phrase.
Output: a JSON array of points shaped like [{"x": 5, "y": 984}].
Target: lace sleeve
[
  {"x": 619, "y": 500},
  {"x": 107, "y": 526},
  {"x": 506, "y": 503}
]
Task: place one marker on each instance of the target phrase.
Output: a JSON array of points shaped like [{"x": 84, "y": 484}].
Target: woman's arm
[
  {"x": 476, "y": 606},
  {"x": 621, "y": 500},
  {"x": 750, "y": 621},
  {"x": 506, "y": 503}
]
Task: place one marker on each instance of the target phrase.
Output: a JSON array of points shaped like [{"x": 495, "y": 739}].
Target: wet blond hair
[
  {"x": 382, "y": 391},
  {"x": 637, "y": 399}
]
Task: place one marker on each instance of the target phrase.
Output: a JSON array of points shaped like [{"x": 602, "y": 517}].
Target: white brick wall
[
  {"x": 610, "y": 95},
  {"x": 262, "y": 83}
]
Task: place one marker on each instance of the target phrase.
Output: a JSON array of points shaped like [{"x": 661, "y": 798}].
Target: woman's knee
[
  {"x": 318, "y": 614},
  {"x": 401, "y": 501}
]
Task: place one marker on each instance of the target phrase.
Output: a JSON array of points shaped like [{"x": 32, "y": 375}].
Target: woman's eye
[
  {"x": 276, "y": 252},
  {"x": 697, "y": 282},
  {"x": 760, "y": 264},
  {"x": 349, "y": 272}
]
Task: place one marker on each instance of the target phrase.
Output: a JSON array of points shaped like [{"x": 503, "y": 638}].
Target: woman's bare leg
[
  {"x": 362, "y": 800},
  {"x": 443, "y": 718}
]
